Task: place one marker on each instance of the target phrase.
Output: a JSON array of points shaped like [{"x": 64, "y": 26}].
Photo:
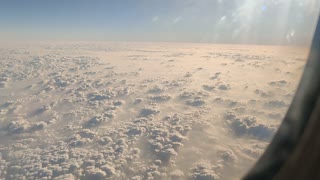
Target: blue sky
[{"x": 216, "y": 21}]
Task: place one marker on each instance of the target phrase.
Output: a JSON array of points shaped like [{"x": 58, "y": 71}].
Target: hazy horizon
[{"x": 204, "y": 21}]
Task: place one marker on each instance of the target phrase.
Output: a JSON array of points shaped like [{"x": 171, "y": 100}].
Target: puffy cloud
[
  {"x": 156, "y": 90},
  {"x": 208, "y": 87},
  {"x": 224, "y": 87},
  {"x": 278, "y": 83},
  {"x": 198, "y": 101},
  {"x": 275, "y": 104},
  {"x": 148, "y": 111},
  {"x": 3, "y": 84},
  {"x": 17, "y": 127},
  {"x": 160, "y": 98},
  {"x": 97, "y": 118},
  {"x": 177, "y": 174},
  {"x": 248, "y": 126},
  {"x": 227, "y": 155},
  {"x": 203, "y": 171}
]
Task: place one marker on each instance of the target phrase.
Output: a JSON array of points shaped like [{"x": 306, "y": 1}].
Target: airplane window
[{"x": 146, "y": 89}]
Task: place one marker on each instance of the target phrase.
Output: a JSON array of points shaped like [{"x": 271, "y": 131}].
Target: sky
[{"x": 209, "y": 21}]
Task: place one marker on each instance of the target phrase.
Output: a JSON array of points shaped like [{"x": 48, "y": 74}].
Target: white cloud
[
  {"x": 176, "y": 20},
  {"x": 222, "y": 19},
  {"x": 101, "y": 115},
  {"x": 155, "y": 19}
]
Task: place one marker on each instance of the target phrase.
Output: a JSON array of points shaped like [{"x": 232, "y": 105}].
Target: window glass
[{"x": 146, "y": 89}]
